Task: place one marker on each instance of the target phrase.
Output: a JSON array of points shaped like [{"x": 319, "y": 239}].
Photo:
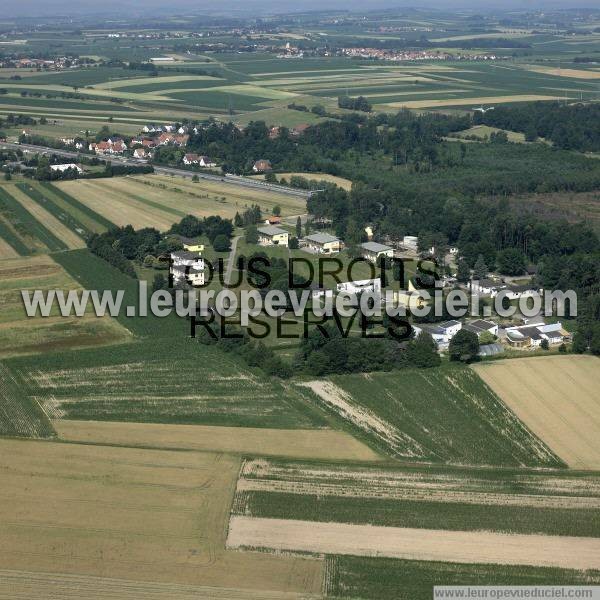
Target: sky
[{"x": 38, "y": 8}]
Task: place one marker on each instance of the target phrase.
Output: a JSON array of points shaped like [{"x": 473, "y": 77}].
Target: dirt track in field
[
  {"x": 414, "y": 544},
  {"x": 558, "y": 398},
  {"x": 148, "y": 515},
  {"x": 324, "y": 444}
]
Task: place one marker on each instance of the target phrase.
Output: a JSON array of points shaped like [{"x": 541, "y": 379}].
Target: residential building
[
  {"x": 116, "y": 146},
  {"x": 140, "y": 153},
  {"x": 272, "y": 236},
  {"x": 486, "y": 287},
  {"x": 189, "y": 244},
  {"x": 410, "y": 242},
  {"x": 261, "y": 166},
  {"x": 273, "y": 220},
  {"x": 322, "y": 243},
  {"x": 174, "y": 139},
  {"x": 187, "y": 267},
  {"x": 441, "y": 333},
  {"x": 373, "y": 250},
  {"x": 514, "y": 292}
]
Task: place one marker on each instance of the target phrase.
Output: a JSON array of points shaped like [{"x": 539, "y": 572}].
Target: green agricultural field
[
  {"x": 436, "y": 415},
  {"x": 509, "y": 501},
  {"x": 168, "y": 380},
  {"x": 19, "y": 416},
  {"x": 384, "y": 578}
]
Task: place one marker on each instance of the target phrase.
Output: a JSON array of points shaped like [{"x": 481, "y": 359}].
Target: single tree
[
  {"x": 237, "y": 220},
  {"x": 422, "y": 352},
  {"x": 222, "y": 243},
  {"x": 464, "y": 346},
  {"x": 298, "y": 227},
  {"x": 545, "y": 345},
  {"x": 480, "y": 269},
  {"x": 251, "y": 234},
  {"x": 463, "y": 273},
  {"x": 277, "y": 210}
]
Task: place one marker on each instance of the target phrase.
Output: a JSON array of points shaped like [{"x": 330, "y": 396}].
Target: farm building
[
  {"x": 322, "y": 243},
  {"x": 373, "y": 250},
  {"x": 358, "y": 287},
  {"x": 260, "y": 166},
  {"x": 272, "y": 236},
  {"x": 527, "y": 336},
  {"x": 480, "y": 326},
  {"x": 66, "y": 167}
]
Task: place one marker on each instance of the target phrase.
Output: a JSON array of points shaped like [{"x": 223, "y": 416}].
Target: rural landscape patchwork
[{"x": 409, "y": 162}]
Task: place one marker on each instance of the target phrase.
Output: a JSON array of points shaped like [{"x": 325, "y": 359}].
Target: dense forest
[{"x": 570, "y": 126}]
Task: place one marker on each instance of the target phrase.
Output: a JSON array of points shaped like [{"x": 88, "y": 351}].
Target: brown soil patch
[
  {"x": 153, "y": 515},
  {"x": 414, "y": 544}
]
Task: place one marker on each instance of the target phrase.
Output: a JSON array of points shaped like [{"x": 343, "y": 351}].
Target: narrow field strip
[
  {"x": 24, "y": 585},
  {"x": 414, "y": 544},
  {"x": 322, "y": 444},
  {"x": 6, "y": 250},
  {"x": 54, "y": 226}
]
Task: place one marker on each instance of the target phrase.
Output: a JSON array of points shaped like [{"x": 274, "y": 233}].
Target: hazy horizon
[{"x": 124, "y": 8}]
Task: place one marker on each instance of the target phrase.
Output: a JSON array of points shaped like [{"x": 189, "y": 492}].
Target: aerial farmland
[{"x": 153, "y": 448}]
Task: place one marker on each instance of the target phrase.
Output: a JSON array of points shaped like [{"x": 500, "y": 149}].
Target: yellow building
[{"x": 272, "y": 236}]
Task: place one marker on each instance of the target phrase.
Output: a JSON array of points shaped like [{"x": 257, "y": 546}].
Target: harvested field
[
  {"x": 558, "y": 398},
  {"x": 438, "y": 415},
  {"x": 118, "y": 513},
  {"x": 22, "y": 335},
  {"x": 342, "y": 182},
  {"x": 116, "y": 207},
  {"x": 26, "y": 585},
  {"x": 433, "y": 102},
  {"x": 571, "y": 73},
  {"x": 6, "y": 250},
  {"x": 414, "y": 544},
  {"x": 321, "y": 444}
]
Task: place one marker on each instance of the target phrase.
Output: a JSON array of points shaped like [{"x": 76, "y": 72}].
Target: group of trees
[
  {"x": 359, "y": 103},
  {"x": 568, "y": 126},
  {"x": 326, "y": 351}
]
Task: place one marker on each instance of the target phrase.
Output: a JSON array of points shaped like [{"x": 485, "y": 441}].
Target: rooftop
[
  {"x": 321, "y": 238},
  {"x": 271, "y": 230},
  {"x": 375, "y": 247}
]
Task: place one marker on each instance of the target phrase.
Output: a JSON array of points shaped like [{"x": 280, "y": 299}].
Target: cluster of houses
[{"x": 491, "y": 288}]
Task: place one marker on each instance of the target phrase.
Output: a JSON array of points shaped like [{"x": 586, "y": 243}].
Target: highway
[{"x": 235, "y": 180}]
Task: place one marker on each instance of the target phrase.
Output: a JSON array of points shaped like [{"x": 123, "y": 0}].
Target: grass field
[
  {"x": 558, "y": 398},
  {"x": 324, "y": 444},
  {"x": 159, "y": 201},
  {"x": 146, "y": 515},
  {"x": 21, "y": 335},
  {"x": 440, "y": 415}
]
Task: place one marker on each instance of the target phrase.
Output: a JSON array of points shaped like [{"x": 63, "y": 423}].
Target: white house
[
  {"x": 373, "y": 250},
  {"x": 66, "y": 167},
  {"x": 187, "y": 266},
  {"x": 514, "y": 292},
  {"x": 140, "y": 153},
  {"x": 486, "y": 287},
  {"x": 441, "y": 333}
]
